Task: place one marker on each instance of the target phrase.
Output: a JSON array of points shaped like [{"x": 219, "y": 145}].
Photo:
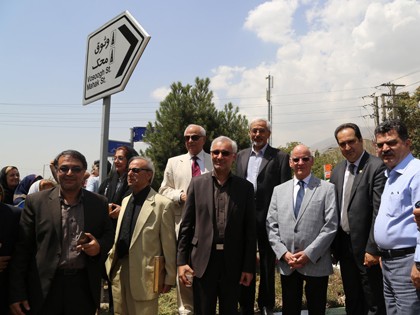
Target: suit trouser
[
  {"x": 292, "y": 292},
  {"x": 184, "y": 294},
  {"x": 266, "y": 290},
  {"x": 401, "y": 297},
  {"x": 216, "y": 283},
  {"x": 363, "y": 286},
  {"x": 69, "y": 294},
  {"x": 124, "y": 302}
]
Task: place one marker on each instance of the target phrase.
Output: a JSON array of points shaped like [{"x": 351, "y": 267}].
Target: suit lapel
[
  {"x": 55, "y": 208},
  {"x": 309, "y": 193},
  {"x": 244, "y": 162},
  {"x": 268, "y": 156},
  {"x": 359, "y": 174},
  {"x": 145, "y": 212}
]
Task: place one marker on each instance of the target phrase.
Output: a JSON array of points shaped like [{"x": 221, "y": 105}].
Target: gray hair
[
  {"x": 225, "y": 139},
  {"x": 268, "y": 124},
  {"x": 202, "y": 130}
]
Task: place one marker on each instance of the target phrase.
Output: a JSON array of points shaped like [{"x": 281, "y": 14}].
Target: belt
[
  {"x": 392, "y": 253},
  {"x": 69, "y": 272}
]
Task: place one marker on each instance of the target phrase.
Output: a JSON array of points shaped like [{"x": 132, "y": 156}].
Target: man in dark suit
[
  {"x": 9, "y": 223},
  {"x": 354, "y": 246},
  {"x": 54, "y": 270},
  {"x": 265, "y": 167},
  {"x": 217, "y": 238}
]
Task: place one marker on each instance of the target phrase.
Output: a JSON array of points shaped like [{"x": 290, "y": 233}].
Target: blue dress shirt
[{"x": 395, "y": 226}]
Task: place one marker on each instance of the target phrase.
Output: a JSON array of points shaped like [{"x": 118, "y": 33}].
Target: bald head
[{"x": 301, "y": 161}]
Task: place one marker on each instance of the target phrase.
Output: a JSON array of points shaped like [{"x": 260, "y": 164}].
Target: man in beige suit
[
  {"x": 178, "y": 173},
  {"x": 145, "y": 229}
]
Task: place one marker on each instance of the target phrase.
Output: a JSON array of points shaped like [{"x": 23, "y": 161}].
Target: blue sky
[{"x": 324, "y": 56}]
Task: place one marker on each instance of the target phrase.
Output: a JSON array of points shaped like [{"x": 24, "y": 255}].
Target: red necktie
[{"x": 195, "y": 167}]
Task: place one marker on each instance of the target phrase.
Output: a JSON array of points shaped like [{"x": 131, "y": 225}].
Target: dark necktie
[
  {"x": 195, "y": 167},
  {"x": 299, "y": 197},
  {"x": 347, "y": 191}
]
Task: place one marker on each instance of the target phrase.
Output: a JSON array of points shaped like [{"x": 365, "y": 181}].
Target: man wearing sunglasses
[
  {"x": 265, "y": 167},
  {"x": 176, "y": 179},
  {"x": 301, "y": 224},
  {"x": 52, "y": 272},
  {"x": 145, "y": 230},
  {"x": 359, "y": 181},
  {"x": 217, "y": 237}
]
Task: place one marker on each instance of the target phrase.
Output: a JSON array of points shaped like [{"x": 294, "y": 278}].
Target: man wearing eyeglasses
[
  {"x": 53, "y": 271},
  {"x": 176, "y": 179},
  {"x": 265, "y": 167},
  {"x": 145, "y": 230},
  {"x": 301, "y": 224},
  {"x": 395, "y": 230},
  {"x": 359, "y": 181},
  {"x": 217, "y": 237}
]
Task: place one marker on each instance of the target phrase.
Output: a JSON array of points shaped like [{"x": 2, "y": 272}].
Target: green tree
[
  {"x": 186, "y": 105},
  {"x": 409, "y": 112}
]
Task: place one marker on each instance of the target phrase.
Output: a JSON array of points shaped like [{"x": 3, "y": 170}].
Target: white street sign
[{"x": 112, "y": 54}]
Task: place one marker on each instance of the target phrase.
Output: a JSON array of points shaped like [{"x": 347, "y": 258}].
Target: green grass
[{"x": 335, "y": 296}]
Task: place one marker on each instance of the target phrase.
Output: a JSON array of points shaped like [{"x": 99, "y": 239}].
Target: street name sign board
[{"x": 112, "y": 54}]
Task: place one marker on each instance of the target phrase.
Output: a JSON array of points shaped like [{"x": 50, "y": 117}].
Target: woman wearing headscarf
[
  {"x": 23, "y": 188},
  {"x": 9, "y": 180}
]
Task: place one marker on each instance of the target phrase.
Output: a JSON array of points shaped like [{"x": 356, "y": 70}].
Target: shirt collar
[
  {"x": 200, "y": 155},
  {"x": 400, "y": 167},
  {"x": 357, "y": 162},
  {"x": 261, "y": 152},
  {"x": 305, "y": 180}
]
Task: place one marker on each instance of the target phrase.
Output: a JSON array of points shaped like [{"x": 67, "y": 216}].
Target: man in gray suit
[
  {"x": 358, "y": 198},
  {"x": 301, "y": 225},
  {"x": 176, "y": 179}
]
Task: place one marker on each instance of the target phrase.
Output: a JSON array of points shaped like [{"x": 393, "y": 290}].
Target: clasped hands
[{"x": 296, "y": 260}]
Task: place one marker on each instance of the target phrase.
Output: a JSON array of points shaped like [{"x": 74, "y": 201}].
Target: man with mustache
[{"x": 395, "y": 229}]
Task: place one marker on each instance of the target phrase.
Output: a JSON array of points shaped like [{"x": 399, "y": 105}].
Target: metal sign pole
[{"x": 106, "y": 109}]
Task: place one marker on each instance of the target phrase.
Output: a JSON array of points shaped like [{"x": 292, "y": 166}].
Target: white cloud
[
  {"x": 272, "y": 20},
  {"x": 159, "y": 94},
  {"x": 321, "y": 75}
]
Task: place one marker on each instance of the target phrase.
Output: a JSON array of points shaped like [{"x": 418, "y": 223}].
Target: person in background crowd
[
  {"x": 217, "y": 237},
  {"x": 359, "y": 181},
  {"x": 9, "y": 180},
  {"x": 115, "y": 186},
  {"x": 145, "y": 230},
  {"x": 265, "y": 167},
  {"x": 395, "y": 230},
  {"x": 92, "y": 183},
  {"x": 9, "y": 223},
  {"x": 41, "y": 185},
  {"x": 301, "y": 224},
  {"x": 176, "y": 179},
  {"x": 65, "y": 234},
  {"x": 23, "y": 188}
]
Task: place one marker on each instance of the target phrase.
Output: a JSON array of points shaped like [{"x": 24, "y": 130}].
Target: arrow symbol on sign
[{"x": 129, "y": 36}]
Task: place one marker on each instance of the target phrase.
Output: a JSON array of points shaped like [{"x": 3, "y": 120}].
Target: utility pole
[
  {"x": 375, "y": 114},
  {"x": 383, "y": 107},
  {"x": 268, "y": 97},
  {"x": 392, "y": 89}
]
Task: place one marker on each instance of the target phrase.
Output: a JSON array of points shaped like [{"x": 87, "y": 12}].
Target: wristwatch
[{"x": 418, "y": 265}]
